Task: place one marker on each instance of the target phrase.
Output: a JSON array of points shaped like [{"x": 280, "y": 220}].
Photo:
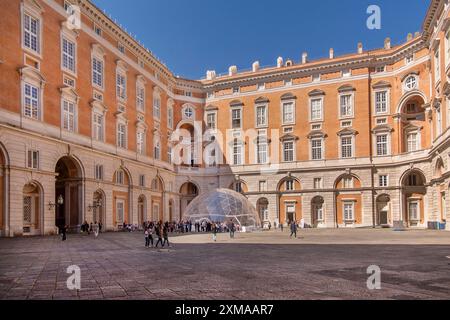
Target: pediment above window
[
  {"x": 141, "y": 79},
  {"x": 32, "y": 74},
  {"x": 121, "y": 117},
  {"x": 69, "y": 93},
  {"x": 412, "y": 127},
  {"x": 121, "y": 65},
  {"x": 68, "y": 30},
  {"x": 236, "y": 103},
  {"x": 347, "y": 131},
  {"x": 211, "y": 108},
  {"x": 382, "y": 128},
  {"x": 316, "y": 93},
  {"x": 288, "y": 96},
  {"x": 98, "y": 106},
  {"x": 381, "y": 85},
  {"x": 262, "y": 100},
  {"x": 289, "y": 136},
  {"x": 317, "y": 134},
  {"x": 346, "y": 88},
  {"x": 98, "y": 49},
  {"x": 34, "y": 6}
]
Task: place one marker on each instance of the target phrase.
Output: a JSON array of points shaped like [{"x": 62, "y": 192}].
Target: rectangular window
[
  {"x": 170, "y": 118},
  {"x": 97, "y": 72},
  {"x": 346, "y": 105},
  {"x": 98, "y": 172},
  {"x": 68, "y": 115},
  {"x": 140, "y": 98},
  {"x": 31, "y": 33},
  {"x": 68, "y": 55},
  {"x": 98, "y": 127},
  {"x": 236, "y": 118},
  {"x": 32, "y": 108},
  {"x": 157, "y": 107},
  {"x": 119, "y": 177},
  {"x": 288, "y": 151},
  {"x": 121, "y": 86},
  {"x": 347, "y": 183},
  {"x": 70, "y": 82},
  {"x": 412, "y": 144},
  {"x": 290, "y": 185},
  {"x": 318, "y": 183},
  {"x": 98, "y": 31},
  {"x": 121, "y": 47},
  {"x": 237, "y": 153},
  {"x": 288, "y": 112},
  {"x": 381, "y": 102},
  {"x": 413, "y": 207},
  {"x": 382, "y": 145},
  {"x": 261, "y": 150},
  {"x": 140, "y": 144},
  {"x": 381, "y": 121},
  {"x": 120, "y": 211},
  {"x": 349, "y": 211},
  {"x": 261, "y": 116},
  {"x": 211, "y": 120},
  {"x": 33, "y": 159},
  {"x": 409, "y": 59},
  {"x": 438, "y": 122},
  {"x": 437, "y": 65},
  {"x": 347, "y": 147},
  {"x": 142, "y": 180},
  {"x": 380, "y": 69},
  {"x": 121, "y": 136},
  {"x": 316, "y": 109},
  {"x": 316, "y": 146},
  {"x": 169, "y": 155},
  {"x": 262, "y": 186},
  {"x": 383, "y": 181}
]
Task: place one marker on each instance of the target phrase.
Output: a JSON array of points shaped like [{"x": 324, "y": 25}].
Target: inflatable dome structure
[{"x": 223, "y": 205}]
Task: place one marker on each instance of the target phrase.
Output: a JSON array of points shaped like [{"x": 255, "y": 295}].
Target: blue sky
[{"x": 192, "y": 36}]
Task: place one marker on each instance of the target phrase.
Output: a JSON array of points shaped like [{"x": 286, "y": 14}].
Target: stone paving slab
[{"x": 323, "y": 264}]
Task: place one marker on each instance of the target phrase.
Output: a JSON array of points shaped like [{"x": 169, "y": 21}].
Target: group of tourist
[
  {"x": 89, "y": 228},
  {"x": 156, "y": 231}
]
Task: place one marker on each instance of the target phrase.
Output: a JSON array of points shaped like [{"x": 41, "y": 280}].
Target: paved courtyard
[{"x": 322, "y": 264}]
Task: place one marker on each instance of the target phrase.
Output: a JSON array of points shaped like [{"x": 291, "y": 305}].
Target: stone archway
[
  {"x": 262, "y": 206},
  {"x": 384, "y": 216},
  {"x": 32, "y": 209},
  {"x": 68, "y": 192},
  {"x": 317, "y": 211},
  {"x": 413, "y": 198},
  {"x": 188, "y": 191}
]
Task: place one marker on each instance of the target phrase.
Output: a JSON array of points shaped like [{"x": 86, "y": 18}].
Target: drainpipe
[{"x": 372, "y": 168}]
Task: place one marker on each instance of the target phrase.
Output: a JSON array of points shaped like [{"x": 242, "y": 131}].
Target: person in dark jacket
[
  {"x": 63, "y": 233},
  {"x": 166, "y": 235},
  {"x": 159, "y": 235},
  {"x": 294, "y": 229}
]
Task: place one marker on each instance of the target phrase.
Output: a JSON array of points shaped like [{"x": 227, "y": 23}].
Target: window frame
[
  {"x": 311, "y": 111},
  {"x": 284, "y": 120}
]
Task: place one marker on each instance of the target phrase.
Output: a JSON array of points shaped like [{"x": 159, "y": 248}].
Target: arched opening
[
  {"x": 412, "y": 124},
  {"x": 384, "y": 217},
  {"x": 142, "y": 216},
  {"x": 290, "y": 200},
  {"x": 98, "y": 207},
  {"x": 68, "y": 193},
  {"x": 348, "y": 200},
  {"x": 317, "y": 211},
  {"x": 2, "y": 191},
  {"x": 121, "y": 195},
  {"x": 32, "y": 209},
  {"x": 189, "y": 191},
  {"x": 262, "y": 206},
  {"x": 413, "y": 191},
  {"x": 239, "y": 186},
  {"x": 189, "y": 146}
]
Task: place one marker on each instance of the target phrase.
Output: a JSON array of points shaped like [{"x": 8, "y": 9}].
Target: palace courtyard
[{"x": 321, "y": 264}]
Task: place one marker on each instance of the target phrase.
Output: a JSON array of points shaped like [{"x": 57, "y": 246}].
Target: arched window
[{"x": 411, "y": 83}]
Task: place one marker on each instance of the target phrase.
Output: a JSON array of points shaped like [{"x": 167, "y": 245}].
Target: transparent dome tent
[{"x": 223, "y": 205}]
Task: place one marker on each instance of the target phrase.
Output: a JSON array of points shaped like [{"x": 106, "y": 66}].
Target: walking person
[
  {"x": 63, "y": 232},
  {"x": 282, "y": 227},
  {"x": 166, "y": 235},
  {"x": 293, "y": 229},
  {"x": 214, "y": 232},
  {"x": 232, "y": 230},
  {"x": 96, "y": 229},
  {"x": 159, "y": 235},
  {"x": 151, "y": 232},
  {"x": 99, "y": 227},
  {"x": 147, "y": 238}
]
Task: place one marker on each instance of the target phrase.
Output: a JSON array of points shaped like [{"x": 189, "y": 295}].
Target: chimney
[
  {"x": 232, "y": 71},
  {"x": 304, "y": 57},
  {"x": 255, "y": 66},
  {"x": 331, "y": 53},
  {"x": 409, "y": 37},
  {"x": 360, "y": 48},
  {"x": 279, "y": 62},
  {"x": 210, "y": 75},
  {"x": 387, "y": 43}
]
